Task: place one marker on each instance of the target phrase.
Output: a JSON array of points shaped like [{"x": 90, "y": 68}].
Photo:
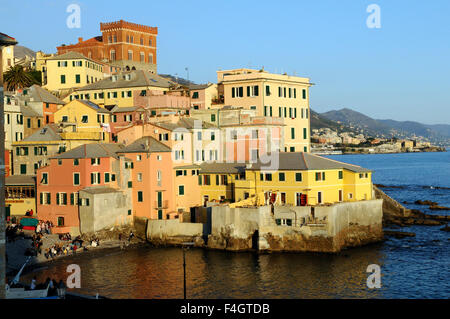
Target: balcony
[{"x": 162, "y": 205}]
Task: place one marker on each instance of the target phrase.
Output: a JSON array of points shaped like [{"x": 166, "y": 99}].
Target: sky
[{"x": 399, "y": 71}]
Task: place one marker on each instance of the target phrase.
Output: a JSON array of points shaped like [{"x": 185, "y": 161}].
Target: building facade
[{"x": 124, "y": 44}]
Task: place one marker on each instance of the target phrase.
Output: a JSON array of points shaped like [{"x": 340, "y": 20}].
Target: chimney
[{"x": 80, "y": 39}]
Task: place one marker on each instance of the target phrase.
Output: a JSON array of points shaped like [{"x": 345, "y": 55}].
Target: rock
[
  {"x": 436, "y": 207},
  {"x": 446, "y": 228},
  {"x": 425, "y": 202},
  {"x": 398, "y": 234}
]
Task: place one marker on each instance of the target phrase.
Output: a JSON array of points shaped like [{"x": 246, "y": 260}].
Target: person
[
  {"x": 61, "y": 289},
  {"x": 33, "y": 283},
  {"x": 38, "y": 228},
  {"x": 131, "y": 236}
]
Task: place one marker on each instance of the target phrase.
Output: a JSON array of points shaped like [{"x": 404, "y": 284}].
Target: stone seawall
[{"x": 311, "y": 229}]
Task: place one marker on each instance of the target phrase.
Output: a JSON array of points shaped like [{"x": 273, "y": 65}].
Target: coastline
[{"x": 16, "y": 256}]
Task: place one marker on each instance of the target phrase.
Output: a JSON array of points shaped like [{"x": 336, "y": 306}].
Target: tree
[{"x": 16, "y": 77}]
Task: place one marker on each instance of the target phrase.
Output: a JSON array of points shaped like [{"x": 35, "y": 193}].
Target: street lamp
[
  {"x": 5, "y": 41},
  {"x": 186, "y": 246}
]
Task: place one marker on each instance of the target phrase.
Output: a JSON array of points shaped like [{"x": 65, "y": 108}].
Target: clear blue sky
[{"x": 400, "y": 71}]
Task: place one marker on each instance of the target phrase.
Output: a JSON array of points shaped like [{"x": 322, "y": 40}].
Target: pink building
[
  {"x": 59, "y": 183},
  {"x": 152, "y": 178},
  {"x": 158, "y": 102},
  {"x": 124, "y": 117}
]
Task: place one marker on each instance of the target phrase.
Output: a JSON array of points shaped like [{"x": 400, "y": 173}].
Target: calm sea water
[{"x": 416, "y": 267}]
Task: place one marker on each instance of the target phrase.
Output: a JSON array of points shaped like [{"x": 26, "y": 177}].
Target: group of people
[
  {"x": 65, "y": 236},
  {"x": 61, "y": 249},
  {"x": 44, "y": 227},
  {"x": 36, "y": 244},
  {"x": 11, "y": 232}
]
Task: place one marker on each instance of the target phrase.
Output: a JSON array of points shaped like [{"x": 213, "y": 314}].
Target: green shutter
[
  {"x": 92, "y": 178},
  {"x": 57, "y": 198},
  {"x": 72, "y": 199}
]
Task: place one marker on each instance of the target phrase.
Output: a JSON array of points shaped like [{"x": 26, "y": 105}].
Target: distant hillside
[
  {"x": 388, "y": 128},
  {"x": 175, "y": 79},
  {"x": 20, "y": 52},
  {"x": 318, "y": 121}
]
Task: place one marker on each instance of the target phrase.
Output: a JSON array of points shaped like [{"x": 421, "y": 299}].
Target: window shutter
[
  {"x": 57, "y": 198},
  {"x": 72, "y": 199},
  {"x": 92, "y": 178}
]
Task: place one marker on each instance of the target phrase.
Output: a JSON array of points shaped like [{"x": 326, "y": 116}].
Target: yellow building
[
  {"x": 20, "y": 195},
  {"x": 217, "y": 181},
  {"x": 296, "y": 179},
  {"x": 84, "y": 120},
  {"x": 70, "y": 70},
  {"x": 203, "y": 96},
  {"x": 8, "y": 57},
  {"x": 118, "y": 89},
  {"x": 272, "y": 95}
]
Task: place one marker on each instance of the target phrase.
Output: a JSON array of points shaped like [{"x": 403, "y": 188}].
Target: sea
[{"x": 412, "y": 267}]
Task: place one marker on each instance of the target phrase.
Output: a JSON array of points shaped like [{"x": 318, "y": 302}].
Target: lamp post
[
  {"x": 4, "y": 41},
  {"x": 186, "y": 246}
]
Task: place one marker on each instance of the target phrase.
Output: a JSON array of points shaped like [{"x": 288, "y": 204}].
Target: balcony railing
[{"x": 161, "y": 205}]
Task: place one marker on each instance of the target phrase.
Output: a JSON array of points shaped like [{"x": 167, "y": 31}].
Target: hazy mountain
[
  {"x": 388, "y": 128},
  {"x": 318, "y": 121},
  {"x": 175, "y": 79},
  {"x": 20, "y": 52}
]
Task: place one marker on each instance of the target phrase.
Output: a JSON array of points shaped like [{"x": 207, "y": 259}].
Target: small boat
[{"x": 13, "y": 292}]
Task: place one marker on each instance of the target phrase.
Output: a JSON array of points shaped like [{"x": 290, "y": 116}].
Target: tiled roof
[
  {"x": 94, "y": 106},
  {"x": 92, "y": 151},
  {"x": 71, "y": 55},
  {"x": 99, "y": 190},
  {"x": 28, "y": 111},
  {"x": 40, "y": 94},
  {"x": 225, "y": 168},
  {"x": 20, "y": 180},
  {"x": 138, "y": 78},
  {"x": 47, "y": 133},
  {"x": 146, "y": 144},
  {"x": 187, "y": 123},
  {"x": 304, "y": 161},
  {"x": 118, "y": 109}
]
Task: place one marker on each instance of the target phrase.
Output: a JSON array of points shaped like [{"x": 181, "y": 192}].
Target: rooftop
[
  {"x": 39, "y": 94},
  {"x": 92, "y": 151},
  {"x": 305, "y": 161},
  {"x": 129, "y": 79},
  {"x": 45, "y": 134},
  {"x": 214, "y": 167},
  {"x": 99, "y": 190},
  {"x": 146, "y": 144},
  {"x": 19, "y": 180}
]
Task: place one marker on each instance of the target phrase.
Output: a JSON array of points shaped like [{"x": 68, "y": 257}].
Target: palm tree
[{"x": 16, "y": 77}]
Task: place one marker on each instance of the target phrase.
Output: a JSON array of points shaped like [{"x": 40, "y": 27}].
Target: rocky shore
[{"x": 396, "y": 215}]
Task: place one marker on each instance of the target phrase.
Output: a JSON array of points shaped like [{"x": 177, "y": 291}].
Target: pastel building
[
  {"x": 300, "y": 179},
  {"x": 271, "y": 95},
  {"x": 84, "y": 120},
  {"x": 90, "y": 168},
  {"x": 120, "y": 89},
  {"x": 151, "y": 178},
  {"x": 203, "y": 96},
  {"x": 71, "y": 70}
]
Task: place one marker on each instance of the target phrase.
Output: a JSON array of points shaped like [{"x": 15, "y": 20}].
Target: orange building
[
  {"x": 123, "y": 44},
  {"x": 152, "y": 178}
]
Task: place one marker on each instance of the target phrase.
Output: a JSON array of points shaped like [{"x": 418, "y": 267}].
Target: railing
[{"x": 161, "y": 205}]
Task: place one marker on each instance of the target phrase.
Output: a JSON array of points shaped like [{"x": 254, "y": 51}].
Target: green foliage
[{"x": 16, "y": 77}]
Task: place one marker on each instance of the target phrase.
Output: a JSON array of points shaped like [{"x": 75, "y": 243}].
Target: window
[
  {"x": 181, "y": 190},
  {"x": 213, "y": 117},
  {"x": 305, "y": 135},
  {"x": 130, "y": 55},
  {"x": 340, "y": 174},
  {"x": 298, "y": 177},
  {"x": 76, "y": 178},
  {"x": 84, "y": 119},
  {"x": 292, "y": 132},
  {"x": 112, "y": 55},
  {"x": 304, "y": 94},
  {"x": 269, "y": 177},
  {"x": 130, "y": 184},
  {"x": 292, "y": 149},
  {"x": 267, "y": 90},
  {"x": 77, "y": 78},
  {"x": 44, "y": 179},
  {"x": 139, "y": 177},
  {"x": 319, "y": 197},
  {"x": 281, "y": 177},
  {"x": 140, "y": 196},
  {"x": 195, "y": 95},
  {"x": 60, "y": 221},
  {"x": 150, "y": 58},
  {"x": 107, "y": 179},
  {"x": 95, "y": 178},
  {"x": 63, "y": 79},
  {"x": 95, "y": 161},
  {"x": 23, "y": 169}
]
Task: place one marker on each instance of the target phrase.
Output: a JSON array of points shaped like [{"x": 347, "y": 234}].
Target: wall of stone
[{"x": 173, "y": 231}]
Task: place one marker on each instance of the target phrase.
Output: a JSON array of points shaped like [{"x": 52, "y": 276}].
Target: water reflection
[{"x": 158, "y": 273}]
